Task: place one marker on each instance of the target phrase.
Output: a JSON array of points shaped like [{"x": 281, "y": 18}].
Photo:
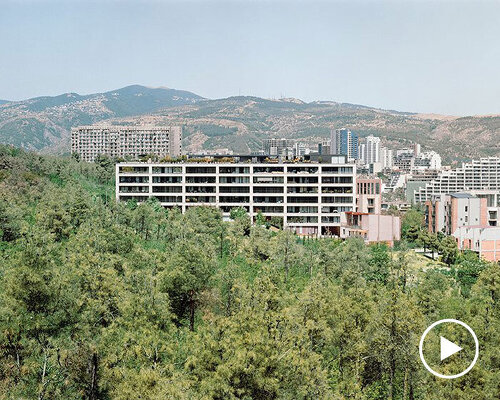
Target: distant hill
[
  {"x": 240, "y": 123},
  {"x": 44, "y": 123}
]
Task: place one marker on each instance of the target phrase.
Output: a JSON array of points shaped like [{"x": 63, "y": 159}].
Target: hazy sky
[{"x": 441, "y": 57}]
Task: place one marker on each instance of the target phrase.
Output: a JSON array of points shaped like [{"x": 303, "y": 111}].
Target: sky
[{"x": 421, "y": 56}]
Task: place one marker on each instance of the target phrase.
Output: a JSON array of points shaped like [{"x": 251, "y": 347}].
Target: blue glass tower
[{"x": 344, "y": 142}]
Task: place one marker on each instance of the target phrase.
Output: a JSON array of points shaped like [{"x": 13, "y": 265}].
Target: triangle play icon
[{"x": 448, "y": 348}]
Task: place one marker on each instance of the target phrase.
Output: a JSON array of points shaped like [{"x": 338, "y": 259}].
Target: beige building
[{"x": 125, "y": 141}]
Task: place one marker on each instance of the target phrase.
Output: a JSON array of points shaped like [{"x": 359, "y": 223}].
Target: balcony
[
  {"x": 302, "y": 199},
  {"x": 234, "y": 199},
  {"x": 133, "y": 170},
  {"x": 234, "y": 170},
  {"x": 134, "y": 179},
  {"x": 302, "y": 220},
  {"x": 134, "y": 189},
  {"x": 268, "y": 199},
  {"x": 302, "y": 170}
]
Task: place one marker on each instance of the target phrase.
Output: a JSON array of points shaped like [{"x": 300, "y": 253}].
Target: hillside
[
  {"x": 44, "y": 123},
  {"x": 113, "y": 301},
  {"x": 239, "y": 123}
]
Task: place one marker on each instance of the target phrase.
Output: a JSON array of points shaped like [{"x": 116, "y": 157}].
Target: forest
[{"x": 107, "y": 300}]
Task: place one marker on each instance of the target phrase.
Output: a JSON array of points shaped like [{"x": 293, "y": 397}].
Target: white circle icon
[{"x": 448, "y": 348}]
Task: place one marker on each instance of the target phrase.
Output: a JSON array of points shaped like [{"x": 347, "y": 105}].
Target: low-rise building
[
  {"x": 373, "y": 228},
  {"x": 484, "y": 240},
  {"x": 446, "y": 213}
]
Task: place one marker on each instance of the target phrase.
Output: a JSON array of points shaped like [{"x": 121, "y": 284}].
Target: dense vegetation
[{"x": 101, "y": 300}]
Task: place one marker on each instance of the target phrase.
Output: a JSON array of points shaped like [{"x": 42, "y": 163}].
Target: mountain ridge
[
  {"x": 239, "y": 123},
  {"x": 44, "y": 123}
]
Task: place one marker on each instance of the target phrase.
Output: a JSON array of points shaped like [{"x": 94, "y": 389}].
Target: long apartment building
[
  {"x": 480, "y": 178},
  {"x": 309, "y": 197},
  {"x": 478, "y": 175},
  {"x": 125, "y": 141}
]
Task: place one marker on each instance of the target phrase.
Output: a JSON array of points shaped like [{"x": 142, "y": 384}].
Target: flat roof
[{"x": 462, "y": 195}]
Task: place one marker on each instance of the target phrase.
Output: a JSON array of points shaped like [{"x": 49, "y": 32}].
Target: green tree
[
  {"x": 467, "y": 270},
  {"x": 449, "y": 250},
  {"x": 379, "y": 264},
  {"x": 259, "y": 352},
  {"x": 187, "y": 274},
  {"x": 412, "y": 223}
]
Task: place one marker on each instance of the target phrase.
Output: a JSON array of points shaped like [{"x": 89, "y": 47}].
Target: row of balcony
[
  {"x": 174, "y": 198},
  {"x": 235, "y": 170},
  {"x": 236, "y": 180},
  {"x": 237, "y": 189}
]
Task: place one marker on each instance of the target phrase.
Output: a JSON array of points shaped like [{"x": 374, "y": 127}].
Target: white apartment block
[
  {"x": 386, "y": 157},
  {"x": 309, "y": 197},
  {"x": 277, "y": 146},
  {"x": 125, "y": 141},
  {"x": 362, "y": 153},
  {"x": 372, "y": 149},
  {"x": 479, "y": 177},
  {"x": 427, "y": 160}
]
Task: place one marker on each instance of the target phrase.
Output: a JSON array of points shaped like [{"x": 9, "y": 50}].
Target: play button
[
  {"x": 448, "y": 348},
  {"x": 451, "y": 348}
]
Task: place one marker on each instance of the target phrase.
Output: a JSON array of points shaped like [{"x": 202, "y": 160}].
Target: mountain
[
  {"x": 44, "y": 123},
  {"x": 240, "y": 123}
]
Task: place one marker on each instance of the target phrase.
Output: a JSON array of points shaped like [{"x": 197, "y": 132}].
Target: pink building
[
  {"x": 369, "y": 195},
  {"x": 484, "y": 240},
  {"x": 446, "y": 213},
  {"x": 373, "y": 228}
]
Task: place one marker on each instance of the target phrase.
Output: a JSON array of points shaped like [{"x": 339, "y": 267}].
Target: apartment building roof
[
  {"x": 462, "y": 195},
  {"x": 250, "y": 159}
]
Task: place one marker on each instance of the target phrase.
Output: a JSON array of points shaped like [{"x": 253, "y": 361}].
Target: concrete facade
[
  {"x": 125, "y": 141},
  {"x": 277, "y": 146},
  {"x": 477, "y": 177},
  {"x": 309, "y": 197},
  {"x": 372, "y": 149},
  {"x": 386, "y": 157}
]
